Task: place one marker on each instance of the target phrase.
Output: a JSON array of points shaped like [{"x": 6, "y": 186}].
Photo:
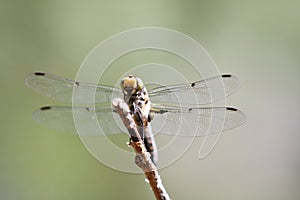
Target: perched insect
[{"x": 174, "y": 110}]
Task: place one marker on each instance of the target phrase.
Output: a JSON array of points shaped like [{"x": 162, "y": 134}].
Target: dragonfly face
[
  {"x": 131, "y": 86},
  {"x": 187, "y": 118}
]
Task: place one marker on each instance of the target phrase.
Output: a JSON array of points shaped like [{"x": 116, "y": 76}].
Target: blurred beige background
[{"x": 256, "y": 40}]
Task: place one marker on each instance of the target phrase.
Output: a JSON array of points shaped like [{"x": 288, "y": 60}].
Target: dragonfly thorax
[{"x": 136, "y": 96}]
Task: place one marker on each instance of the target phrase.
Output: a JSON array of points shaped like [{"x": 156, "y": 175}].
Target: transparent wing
[
  {"x": 194, "y": 121},
  {"x": 61, "y": 89},
  {"x": 88, "y": 120},
  {"x": 200, "y": 92},
  {"x": 171, "y": 120}
]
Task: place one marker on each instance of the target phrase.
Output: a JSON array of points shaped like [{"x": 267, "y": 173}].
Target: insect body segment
[{"x": 137, "y": 99}]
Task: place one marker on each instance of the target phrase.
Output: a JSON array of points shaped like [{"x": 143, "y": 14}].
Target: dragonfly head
[{"x": 131, "y": 86}]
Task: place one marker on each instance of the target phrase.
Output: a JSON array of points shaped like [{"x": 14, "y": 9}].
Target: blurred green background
[{"x": 259, "y": 41}]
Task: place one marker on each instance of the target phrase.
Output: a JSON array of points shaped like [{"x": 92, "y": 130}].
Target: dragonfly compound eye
[{"x": 129, "y": 84}]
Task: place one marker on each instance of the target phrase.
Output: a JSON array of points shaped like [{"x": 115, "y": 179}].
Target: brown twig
[{"x": 142, "y": 158}]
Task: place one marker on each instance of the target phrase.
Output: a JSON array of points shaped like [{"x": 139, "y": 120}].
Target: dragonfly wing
[
  {"x": 61, "y": 89},
  {"x": 200, "y": 92},
  {"x": 194, "y": 121},
  {"x": 88, "y": 120}
]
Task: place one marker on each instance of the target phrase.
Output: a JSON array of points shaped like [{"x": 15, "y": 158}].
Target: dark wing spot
[
  {"x": 45, "y": 108},
  {"x": 190, "y": 109},
  {"x": 145, "y": 93},
  {"x": 87, "y": 108},
  {"x": 226, "y": 75},
  {"x": 233, "y": 109},
  {"x": 162, "y": 111},
  {"x": 146, "y": 101},
  {"x": 77, "y": 83},
  {"x": 39, "y": 74},
  {"x": 193, "y": 84},
  {"x": 130, "y": 76}
]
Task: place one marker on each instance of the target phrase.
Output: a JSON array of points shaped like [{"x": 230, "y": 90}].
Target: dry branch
[{"x": 142, "y": 159}]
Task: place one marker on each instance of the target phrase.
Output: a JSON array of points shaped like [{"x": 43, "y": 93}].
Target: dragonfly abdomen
[{"x": 149, "y": 142}]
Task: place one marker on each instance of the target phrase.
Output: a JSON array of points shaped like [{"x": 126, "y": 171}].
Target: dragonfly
[{"x": 179, "y": 109}]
